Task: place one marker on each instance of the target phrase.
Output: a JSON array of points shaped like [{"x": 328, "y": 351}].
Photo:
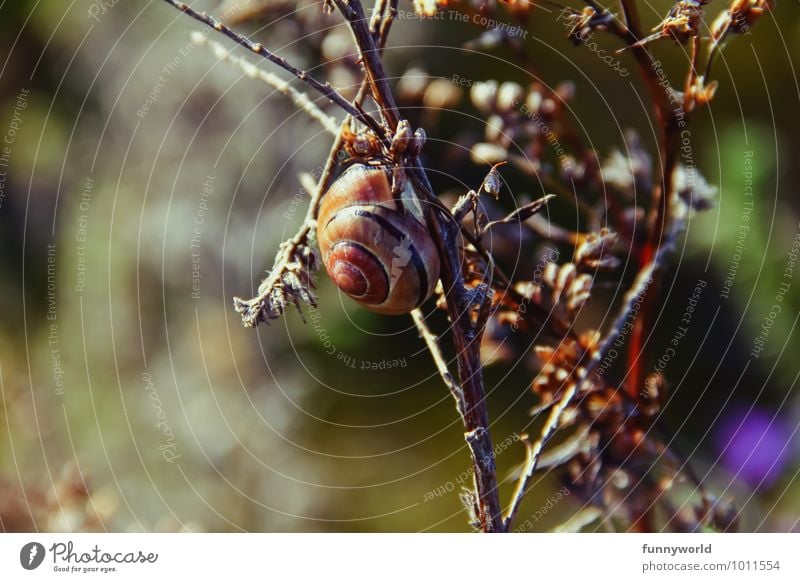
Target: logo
[{"x": 31, "y": 555}]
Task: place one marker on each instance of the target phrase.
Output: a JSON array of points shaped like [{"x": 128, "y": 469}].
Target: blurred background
[{"x": 144, "y": 184}]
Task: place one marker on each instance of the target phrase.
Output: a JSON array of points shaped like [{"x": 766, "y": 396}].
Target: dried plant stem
[
  {"x": 669, "y": 117},
  {"x": 637, "y": 293},
  {"x": 252, "y": 310},
  {"x": 301, "y": 100},
  {"x": 370, "y": 54},
  {"x": 324, "y": 88},
  {"x": 466, "y": 336},
  {"x": 432, "y": 342}
]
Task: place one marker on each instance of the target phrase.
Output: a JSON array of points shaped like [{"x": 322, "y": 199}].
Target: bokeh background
[{"x": 134, "y": 400}]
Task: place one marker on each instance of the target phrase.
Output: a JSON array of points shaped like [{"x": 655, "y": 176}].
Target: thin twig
[
  {"x": 445, "y": 233},
  {"x": 636, "y": 294},
  {"x": 324, "y": 88},
  {"x": 301, "y": 100},
  {"x": 670, "y": 118},
  {"x": 432, "y": 342}
]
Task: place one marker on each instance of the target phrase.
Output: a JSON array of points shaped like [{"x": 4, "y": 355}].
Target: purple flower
[{"x": 754, "y": 445}]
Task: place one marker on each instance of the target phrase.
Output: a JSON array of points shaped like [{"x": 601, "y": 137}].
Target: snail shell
[{"x": 374, "y": 243}]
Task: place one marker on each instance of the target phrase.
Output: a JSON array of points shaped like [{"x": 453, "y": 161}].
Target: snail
[{"x": 374, "y": 242}]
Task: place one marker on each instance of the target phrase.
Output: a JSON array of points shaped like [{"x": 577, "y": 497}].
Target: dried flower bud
[
  {"x": 594, "y": 252},
  {"x": 486, "y": 153},
  {"x": 693, "y": 190},
  {"x": 533, "y": 101},
  {"x": 509, "y": 97},
  {"x": 699, "y": 94},
  {"x": 441, "y": 94},
  {"x": 494, "y": 128},
  {"x": 744, "y": 13},
  {"x": 484, "y": 96},
  {"x": 412, "y": 85}
]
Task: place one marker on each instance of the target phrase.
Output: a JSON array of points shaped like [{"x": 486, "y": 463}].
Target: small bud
[
  {"x": 484, "y": 96},
  {"x": 441, "y": 94},
  {"x": 486, "y": 153},
  {"x": 494, "y": 128},
  {"x": 412, "y": 85},
  {"x": 509, "y": 97}
]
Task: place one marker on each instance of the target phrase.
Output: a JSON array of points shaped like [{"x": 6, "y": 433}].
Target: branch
[
  {"x": 670, "y": 118},
  {"x": 466, "y": 336},
  {"x": 301, "y": 100},
  {"x": 637, "y": 292},
  {"x": 432, "y": 342},
  {"x": 324, "y": 88}
]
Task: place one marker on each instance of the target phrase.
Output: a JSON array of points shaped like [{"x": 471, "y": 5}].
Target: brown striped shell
[{"x": 375, "y": 245}]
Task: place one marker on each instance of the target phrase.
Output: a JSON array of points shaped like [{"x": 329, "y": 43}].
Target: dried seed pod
[{"x": 594, "y": 252}]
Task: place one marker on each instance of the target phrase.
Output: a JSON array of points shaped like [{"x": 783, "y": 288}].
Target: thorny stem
[{"x": 637, "y": 292}]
